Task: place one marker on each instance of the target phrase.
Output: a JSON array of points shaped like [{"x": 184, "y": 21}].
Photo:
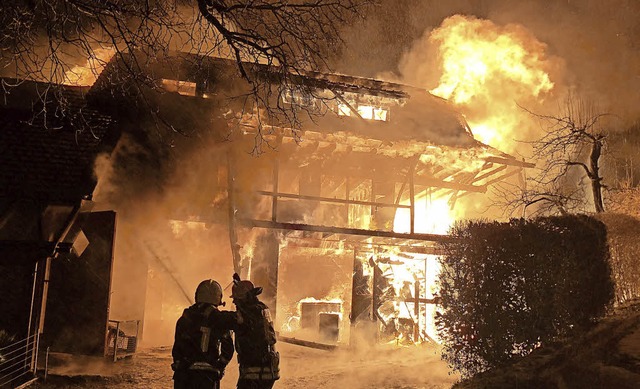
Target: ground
[
  {"x": 607, "y": 357},
  {"x": 383, "y": 367}
]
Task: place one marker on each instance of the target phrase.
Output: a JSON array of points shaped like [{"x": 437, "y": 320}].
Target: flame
[
  {"x": 432, "y": 216},
  {"x": 487, "y": 69},
  {"x": 87, "y": 74},
  {"x": 403, "y": 271}
]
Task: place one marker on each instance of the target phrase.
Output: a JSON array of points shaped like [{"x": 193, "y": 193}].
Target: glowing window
[
  {"x": 365, "y": 111},
  {"x": 185, "y": 88},
  {"x": 380, "y": 114}
]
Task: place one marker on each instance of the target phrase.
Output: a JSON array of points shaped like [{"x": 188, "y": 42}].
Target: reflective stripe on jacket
[{"x": 259, "y": 373}]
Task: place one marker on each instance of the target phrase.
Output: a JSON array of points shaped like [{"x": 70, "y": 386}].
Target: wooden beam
[
  {"x": 344, "y": 231},
  {"x": 509, "y": 161},
  {"x": 307, "y": 343},
  {"x": 412, "y": 200},
  {"x": 329, "y": 199},
  {"x": 489, "y": 173},
  {"x": 434, "y": 183},
  {"x": 274, "y": 200},
  {"x": 500, "y": 178},
  {"x": 233, "y": 235}
]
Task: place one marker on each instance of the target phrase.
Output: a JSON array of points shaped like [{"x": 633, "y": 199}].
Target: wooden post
[
  {"x": 416, "y": 312},
  {"x": 348, "y": 190},
  {"x": 233, "y": 235},
  {"x": 274, "y": 200},
  {"x": 375, "y": 298},
  {"x": 412, "y": 200},
  {"x": 46, "y": 365},
  {"x": 353, "y": 314},
  {"x": 375, "y": 294}
]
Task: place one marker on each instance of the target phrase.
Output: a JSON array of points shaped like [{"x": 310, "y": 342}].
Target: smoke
[
  {"x": 160, "y": 254},
  {"x": 597, "y": 41}
]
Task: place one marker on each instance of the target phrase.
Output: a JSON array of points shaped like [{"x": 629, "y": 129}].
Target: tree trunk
[{"x": 596, "y": 180}]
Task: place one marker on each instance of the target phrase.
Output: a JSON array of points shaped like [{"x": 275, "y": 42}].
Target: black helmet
[
  {"x": 210, "y": 292},
  {"x": 243, "y": 289}
]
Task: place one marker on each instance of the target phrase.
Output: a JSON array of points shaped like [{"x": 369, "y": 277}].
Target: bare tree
[
  {"x": 54, "y": 41},
  {"x": 568, "y": 153}
]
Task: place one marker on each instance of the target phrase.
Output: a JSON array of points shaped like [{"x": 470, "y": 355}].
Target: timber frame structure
[
  {"x": 365, "y": 153},
  {"x": 351, "y": 186}
]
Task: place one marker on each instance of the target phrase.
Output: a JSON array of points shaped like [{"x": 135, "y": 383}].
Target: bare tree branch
[
  {"x": 576, "y": 137},
  {"x": 52, "y": 40}
]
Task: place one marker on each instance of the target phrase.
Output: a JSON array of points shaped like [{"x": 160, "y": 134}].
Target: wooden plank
[
  {"x": 344, "y": 231},
  {"x": 307, "y": 343},
  {"x": 329, "y": 199},
  {"x": 490, "y": 173},
  {"x": 509, "y": 161}
]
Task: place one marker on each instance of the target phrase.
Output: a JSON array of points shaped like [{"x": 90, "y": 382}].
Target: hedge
[{"x": 509, "y": 287}]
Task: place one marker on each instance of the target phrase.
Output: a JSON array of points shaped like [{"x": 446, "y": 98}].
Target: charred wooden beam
[
  {"x": 499, "y": 178},
  {"x": 307, "y": 343},
  {"x": 412, "y": 200},
  {"x": 233, "y": 235},
  {"x": 274, "y": 200},
  {"x": 449, "y": 185},
  {"x": 344, "y": 231},
  {"x": 490, "y": 173},
  {"x": 502, "y": 177},
  {"x": 329, "y": 199},
  {"x": 509, "y": 161},
  {"x": 420, "y": 300}
]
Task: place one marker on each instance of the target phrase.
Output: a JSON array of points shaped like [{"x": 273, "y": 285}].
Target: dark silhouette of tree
[
  {"x": 570, "y": 150},
  {"x": 55, "y": 41}
]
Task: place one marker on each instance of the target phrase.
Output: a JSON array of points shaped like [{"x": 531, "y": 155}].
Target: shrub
[{"x": 506, "y": 288}]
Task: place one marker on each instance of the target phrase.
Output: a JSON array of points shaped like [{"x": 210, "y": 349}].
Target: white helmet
[{"x": 210, "y": 292}]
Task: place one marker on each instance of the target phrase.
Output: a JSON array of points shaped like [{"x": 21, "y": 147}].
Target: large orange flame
[
  {"x": 487, "y": 70},
  {"x": 87, "y": 74}
]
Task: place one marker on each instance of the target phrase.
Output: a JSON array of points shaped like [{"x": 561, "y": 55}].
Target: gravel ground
[{"x": 301, "y": 367}]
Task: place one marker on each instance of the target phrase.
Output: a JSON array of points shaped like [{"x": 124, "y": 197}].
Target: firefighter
[
  {"x": 258, "y": 359},
  {"x": 203, "y": 346}
]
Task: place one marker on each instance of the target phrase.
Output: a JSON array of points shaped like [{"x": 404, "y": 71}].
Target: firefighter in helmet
[
  {"x": 258, "y": 359},
  {"x": 203, "y": 346}
]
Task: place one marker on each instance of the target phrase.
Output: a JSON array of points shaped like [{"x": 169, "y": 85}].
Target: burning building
[{"x": 334, "y": 201}]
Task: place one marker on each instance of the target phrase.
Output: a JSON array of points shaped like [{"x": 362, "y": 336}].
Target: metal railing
[{"x": 17, "y": 362}]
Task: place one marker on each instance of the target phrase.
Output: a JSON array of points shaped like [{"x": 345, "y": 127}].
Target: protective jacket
[
  {"x": 203, "y": 343},
  {"x": 255, "y": 342}
]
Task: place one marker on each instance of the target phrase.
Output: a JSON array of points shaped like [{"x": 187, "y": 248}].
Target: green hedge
[{"x": 507, "y": 288}]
